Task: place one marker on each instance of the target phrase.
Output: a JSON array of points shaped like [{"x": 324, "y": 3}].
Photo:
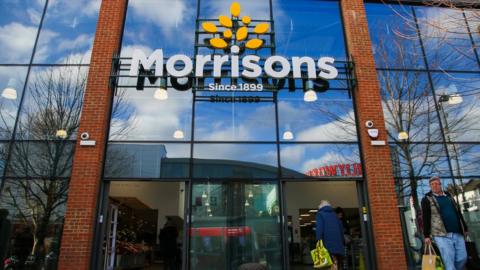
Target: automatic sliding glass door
[{"x": 235, "y": 223}]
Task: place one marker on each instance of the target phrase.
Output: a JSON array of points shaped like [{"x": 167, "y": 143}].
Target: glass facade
[
  {"x": 236, "y": 148},
  {"x": 323, "y": 132},
  {"x": 238, "y": 173},
  {"x": 43, "y": 73},
  {"x": 429, "y": 84}
]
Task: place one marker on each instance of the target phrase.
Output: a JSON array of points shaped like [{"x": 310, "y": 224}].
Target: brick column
[
  {"x": 80, "y": 217},
  {"x": 385, "y": 215}
]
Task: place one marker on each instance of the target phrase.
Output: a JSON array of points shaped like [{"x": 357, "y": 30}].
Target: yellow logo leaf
[
  {"x": 218, "y": 43},
  {"x": 225, "y": 21},
  {"x": 261, "y": 28},
  {"x": 242, "y": 33},
  {"x": 235, "y": 9},
  {"x": 227, "y": 34},
  {"x": 254, "y": 44},
  {"x": 246, "y": 20},
  {"x": 209, "y": 27}
]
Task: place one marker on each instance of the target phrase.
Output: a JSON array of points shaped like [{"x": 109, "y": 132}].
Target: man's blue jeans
[{"x": 452, "y": 249}]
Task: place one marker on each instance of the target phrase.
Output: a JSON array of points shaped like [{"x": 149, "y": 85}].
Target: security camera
[
  {"x": 84, "y": 136},
  {"x": 369, "y": 124}
]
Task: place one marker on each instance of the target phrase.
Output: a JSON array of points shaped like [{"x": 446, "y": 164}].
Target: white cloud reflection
[{"x": 167, "y": 16}]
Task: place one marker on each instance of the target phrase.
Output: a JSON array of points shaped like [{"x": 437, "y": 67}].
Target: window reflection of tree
[
  {"x": 412, "y": 106},
  {"x": 40, "y": 162}
]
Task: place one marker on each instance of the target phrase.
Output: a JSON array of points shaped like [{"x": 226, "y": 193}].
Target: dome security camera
[
  {"x": 369, "y": 124},
  {"x": 84, "y": 136}
]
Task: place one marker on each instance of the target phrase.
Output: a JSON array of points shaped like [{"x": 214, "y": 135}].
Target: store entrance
[
  {"x": 302, "y": 201},
  {"x": 144, "y": 225},
  {"x": 235, "y": 225}
]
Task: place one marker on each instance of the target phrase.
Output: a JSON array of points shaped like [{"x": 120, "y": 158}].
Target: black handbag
[{"x": 473, "y": 261}]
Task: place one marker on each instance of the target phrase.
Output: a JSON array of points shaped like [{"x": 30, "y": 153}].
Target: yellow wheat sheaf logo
[{"x": 234, "y": 30}]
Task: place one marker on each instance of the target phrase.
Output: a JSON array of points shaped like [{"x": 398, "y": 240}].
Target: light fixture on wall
[
  {"x": 246, "y": 203},
  {"x": 61, "y": 133},
  {"x": 402, "y": 135},
  {"x": 310, "y": 94},
  {"x": 204, "y": 195},
  {"x": 207, "y": 203},
  {"x": 161, "y": 92},
  {"x": 250, "y": 194},
  {"x": 287, "y": 134},
  {"x": 10, "y": 92}
]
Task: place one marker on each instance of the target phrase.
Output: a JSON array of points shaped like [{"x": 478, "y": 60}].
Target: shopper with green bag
[{"x": 329, "y": 232}]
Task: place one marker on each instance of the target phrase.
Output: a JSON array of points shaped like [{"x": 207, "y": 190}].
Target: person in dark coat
[
  {"x": 168, "y": 244},
  {"x": 329, "y": 229}
]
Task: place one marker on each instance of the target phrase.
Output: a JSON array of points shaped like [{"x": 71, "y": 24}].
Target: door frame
[
  {"x": 100, "y": 229},
  {"x": 365, "y": 220}
]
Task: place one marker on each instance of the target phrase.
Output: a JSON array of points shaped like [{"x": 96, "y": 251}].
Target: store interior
[{"x": 138, "y": 211}]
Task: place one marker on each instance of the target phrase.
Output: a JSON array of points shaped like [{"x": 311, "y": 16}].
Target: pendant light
[
  {"x": 310, "y": 94},
  {"x": 10, "y": 92},
  {"x": 161, "y": 92}
]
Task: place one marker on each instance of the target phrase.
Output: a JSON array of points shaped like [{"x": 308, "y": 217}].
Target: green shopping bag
[{"x": 320, "y": 256}]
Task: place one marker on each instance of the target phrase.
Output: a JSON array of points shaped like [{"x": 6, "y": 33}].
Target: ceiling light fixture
[
  {"x": 161, "y": 92},
  {"x": 10, "y": 92},
  {"x": 178, "y": 134},
  {"x": 61, "y": 133},
  {"x": 310, "y": 94}
]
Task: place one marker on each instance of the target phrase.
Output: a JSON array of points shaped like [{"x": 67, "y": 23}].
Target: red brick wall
[
  {"x": 80, "y": 217},
  {"x": 387, "y": 230}
]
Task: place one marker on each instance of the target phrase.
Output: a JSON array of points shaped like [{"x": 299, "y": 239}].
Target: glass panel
[
  {"x": 465, "y": 159},
  {"x": 410, "y": 193},
  {"x": 49, "y": 159},
  {"x": 32, "y": 214},
  {"x": 473, "y": 18},
  {"x": 330, "y": 118},
  {"x": 408, "y": 106},
  {"x": 235, "y": 160},
  {"x": 394, "y": 36},
  {"x": 137, "y": 115},
  {"x": 67, "y": 32},
  {"x": 3, "y": 156},
  {"x": 320, "y": 160},
  {"x": 470, "y": 193},
  {"x": 53, "y": 102},
  {"x": 19, "y": 22},
  {"x": 309, "y": 28},
  {"x": 152, "y": 160},
  {"x": 445, "y": 37},
  {"x": 160, "y": 24},
  {"x": 233, "y": 224},
  {"x": 419, "y": 160},
  {"x": 225, "y": 121},
  {"x": 255, "y": 9},
  {"x": 458, "y": 97},
  {"x": 12, "y": 80}
]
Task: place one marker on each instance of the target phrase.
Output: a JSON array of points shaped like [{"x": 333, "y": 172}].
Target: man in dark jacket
[
  {"x": 329, "y": 229},
  {"x": 168, "y": 244},
  {"x": 443, "y": 220}
]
